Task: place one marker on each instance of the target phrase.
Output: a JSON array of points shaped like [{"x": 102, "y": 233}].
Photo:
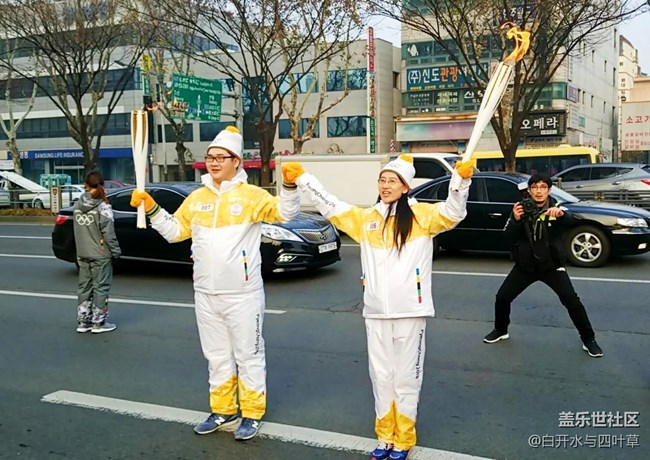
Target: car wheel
[
  {"x": 38, "y": 204},
  {"x": 436, "y": 248},
  {"x": 588, "y": 247}
]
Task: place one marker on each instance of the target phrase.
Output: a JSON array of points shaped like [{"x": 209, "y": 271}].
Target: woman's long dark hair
[
  {"x": 403, "y": 223},
  {"x": 95, "y": 183}
]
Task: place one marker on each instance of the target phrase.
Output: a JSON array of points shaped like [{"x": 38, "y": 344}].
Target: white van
[
  {"x": 353, "y": 178},
  {"x": 432, "y": 165}
]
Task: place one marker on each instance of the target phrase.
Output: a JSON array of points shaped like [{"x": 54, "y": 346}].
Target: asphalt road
[{"x": 490, "y": 401}]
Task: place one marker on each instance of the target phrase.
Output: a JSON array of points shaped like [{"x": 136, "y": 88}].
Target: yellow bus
[{"x": 530, "y": 161}]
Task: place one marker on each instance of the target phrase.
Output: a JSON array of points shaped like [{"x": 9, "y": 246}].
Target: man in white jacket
[
  {"x": 224, "y": 219},
  {"x": 395, "y": 238}
]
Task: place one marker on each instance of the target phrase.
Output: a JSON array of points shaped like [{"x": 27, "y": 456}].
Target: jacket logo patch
[
  {"x": 206, "y": 207},
  {"x": 373, "y": 225},
  {"x": 236, "y": 209}
]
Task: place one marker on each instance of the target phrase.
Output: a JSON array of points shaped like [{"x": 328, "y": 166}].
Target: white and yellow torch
[
  {"x": 139, "y": 142},
  {"x": 495, "y": 90}
]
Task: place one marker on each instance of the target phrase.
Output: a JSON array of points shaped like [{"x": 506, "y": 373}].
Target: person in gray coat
[{"x": 97, "y": 246}]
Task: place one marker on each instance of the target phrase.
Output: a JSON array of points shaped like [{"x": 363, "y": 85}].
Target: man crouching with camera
[{"x": 536, "y": 227}]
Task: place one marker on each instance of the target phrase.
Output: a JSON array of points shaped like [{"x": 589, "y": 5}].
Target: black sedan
[
  {"x": 308, "y": 241},
  {"x": 599, "y": 229}
]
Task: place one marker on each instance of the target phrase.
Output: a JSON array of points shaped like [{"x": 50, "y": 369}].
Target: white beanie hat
[
  {"x": 403, "y": 167},
  {"x": 231, "y": 140}
]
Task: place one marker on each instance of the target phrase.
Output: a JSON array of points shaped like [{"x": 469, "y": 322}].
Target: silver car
[{"x": 607, "y": 181}]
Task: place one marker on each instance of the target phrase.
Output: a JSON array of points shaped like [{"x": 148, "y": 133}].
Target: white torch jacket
[
  {"x": 225, "y": 226},
  {"x": 395, "y": 285}
]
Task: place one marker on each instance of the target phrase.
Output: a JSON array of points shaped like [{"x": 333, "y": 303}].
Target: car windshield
[{"x": 562, "y": 196}]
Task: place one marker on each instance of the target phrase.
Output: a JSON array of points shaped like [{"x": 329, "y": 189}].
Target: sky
[{"x": 635, "y": 30}]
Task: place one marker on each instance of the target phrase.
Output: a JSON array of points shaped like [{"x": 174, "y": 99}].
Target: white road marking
[
  {"x": 581, "y": 278},
  {"x": 118, "y": 300},
  {"x": 27, "y": 237},
  {"x": 434, "y": 272},
  {"x": 503, "y": 275},
  {"x": 27, "y": 256},
  {"x": 284, "y": 433}
]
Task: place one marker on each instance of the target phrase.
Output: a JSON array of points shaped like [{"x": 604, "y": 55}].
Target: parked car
[
  {"x": 69, "y": 196},
  {"x": 309, "y": 241},
  {"x": 628, "y": 182},
  {"x": 598, "y": 231},
  {"x": 111, "y": 184}
]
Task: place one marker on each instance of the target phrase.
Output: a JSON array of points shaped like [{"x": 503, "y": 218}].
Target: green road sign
[
  {"x": 196, "y": 98},
  {"x": 145, "y": 84}
]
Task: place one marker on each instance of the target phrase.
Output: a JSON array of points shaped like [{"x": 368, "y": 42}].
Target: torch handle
[{"x": 139, "y": 141}]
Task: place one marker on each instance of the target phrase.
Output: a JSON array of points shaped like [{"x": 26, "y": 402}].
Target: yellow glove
[
  {"x": 137, "y": 198},
  {"x": 291, "y": 172},
  {"x": 465, "y": 169}
]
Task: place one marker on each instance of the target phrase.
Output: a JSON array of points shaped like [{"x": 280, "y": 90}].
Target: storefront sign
[
  {"x": 62, "y": 154},
  {"x": 372, "y": 135},
  {"x": 544, "y": 124},
  {"x": 635, "y": 129},
  {"x": 441, "y": 77}
]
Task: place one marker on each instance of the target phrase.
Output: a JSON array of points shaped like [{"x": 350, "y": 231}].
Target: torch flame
[{"x": 522, "y": 42}]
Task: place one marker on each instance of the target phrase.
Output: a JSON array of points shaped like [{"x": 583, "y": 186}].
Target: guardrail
[{"x": 628, "y": 197}]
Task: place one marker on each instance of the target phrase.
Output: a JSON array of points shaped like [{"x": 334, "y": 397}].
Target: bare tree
[
  {"x": 15, "y": 97},
  {"x": 258, "y": 44},
  {"x": 74, "y": 50},
  {"x": 308, "y": 99},
  {"x": 469, "y": 31}
]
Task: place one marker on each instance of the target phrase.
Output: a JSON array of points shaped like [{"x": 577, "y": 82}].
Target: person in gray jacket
[{"x": 97, "y": 246}]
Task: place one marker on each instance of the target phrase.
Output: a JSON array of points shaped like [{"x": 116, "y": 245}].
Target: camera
[{"x": 531, "y": 210}]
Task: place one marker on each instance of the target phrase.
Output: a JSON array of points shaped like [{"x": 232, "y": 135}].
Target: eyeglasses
[
  {"x": 217, "y": 158},
  {"x": 391, "y": 182},
  {"x": 539, "y": 187}
]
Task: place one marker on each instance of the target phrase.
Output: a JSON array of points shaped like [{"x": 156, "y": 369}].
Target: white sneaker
[{"x": 106, "y": 327}]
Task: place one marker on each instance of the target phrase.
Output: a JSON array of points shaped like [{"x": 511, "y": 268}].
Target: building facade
[
  {"x": 578, "y": 107},
  {"x": 628, "y": 70},
  {"x": 47, "y": 148}
]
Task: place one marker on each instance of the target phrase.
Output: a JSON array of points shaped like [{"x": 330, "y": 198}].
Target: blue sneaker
[
  {"x": 248, "y": 428},
  {"x": 214, "y": 422},
  {"x": 399, "y": 454},
  {"x": 382, "y": 451}
]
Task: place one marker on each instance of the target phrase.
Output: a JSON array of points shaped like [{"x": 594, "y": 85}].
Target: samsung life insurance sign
[{"x": 635, "y": 129}]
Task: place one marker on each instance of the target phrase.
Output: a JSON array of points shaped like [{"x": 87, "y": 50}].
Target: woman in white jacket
[{"x": 395, "y": 237}]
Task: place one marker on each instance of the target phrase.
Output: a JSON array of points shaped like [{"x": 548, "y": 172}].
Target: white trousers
[
  {"x": 230, "y": 329},
  {"x": 396, "y": 356}
]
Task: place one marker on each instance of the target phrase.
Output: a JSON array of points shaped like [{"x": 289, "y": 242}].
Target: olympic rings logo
[{"x": 84, "y": 219}]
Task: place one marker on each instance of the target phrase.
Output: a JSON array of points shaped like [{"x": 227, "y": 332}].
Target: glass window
[
  {"x": 168, "y": 200},
  {"x": 302, "y": 83},
  {"x": 208, "y": 131},
  {"x": 576, "y": 175},
  {"x": 121, "y": 202},
  {"x": 437, "y": 191},
  {"x": 170, "y": 133},
  {"x": 346, "y": 126},
  {"x": 357, "y": 79},
  {"x": 284, "y": 129},
  {"x": 604, "y": 173},
  {"x": 428, "y": 169},
  {"x": 502, "y": 191}
]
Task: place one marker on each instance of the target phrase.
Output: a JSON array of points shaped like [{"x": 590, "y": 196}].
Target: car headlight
[
  {"x": 631, "y": 222},
  {"x": 278, "y": 233}
]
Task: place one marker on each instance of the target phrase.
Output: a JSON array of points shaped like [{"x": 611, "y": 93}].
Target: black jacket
[{"x": 539, "y": 243}]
